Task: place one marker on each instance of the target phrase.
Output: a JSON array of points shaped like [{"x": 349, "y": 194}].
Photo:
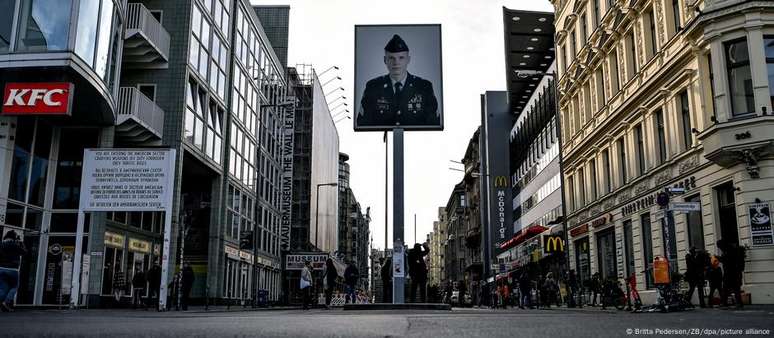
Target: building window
[
  {"x": 593, "y": 173},
  {"x": 676, "y": 21},
  {"x": 768, "y": 44},
  {"x": 685, "y": 116},
  {"x": 43, "y": 29},
  {"x": 600, "y": 86},
  {"x": 739, "y": 77},
  {"x": 661, "y": 136},
  {"x": 647, "y": 249},
  {"x": 587, "y": 102},
  {"x": 597, "y": 13},
  {"x": 614, "y": 74},
  {"x": 694, "y": 225},
  {"x": 581, "y": 188},
  {"x": 711, "y": 82},
  {"x": 571, "y": 193},
  {"x": 573, "y": 44},
  {"x": 631, "y": 55},
  {"x": 628, "y": 247},
  {"x": 622, "y": 159},
  {"x": 608, "y": 177},
  {"x": 584, "y": 35},
  {"x": 7, "y": 12},
  {"x": 639, "y": 141},
  {"x": 650, "y": 23}
]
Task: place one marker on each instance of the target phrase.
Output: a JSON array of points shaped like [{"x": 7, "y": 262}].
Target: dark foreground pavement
[{"x": 426, "y": 324}]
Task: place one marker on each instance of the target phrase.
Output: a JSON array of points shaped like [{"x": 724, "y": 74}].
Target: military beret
[{"x": 396, "y": 45}]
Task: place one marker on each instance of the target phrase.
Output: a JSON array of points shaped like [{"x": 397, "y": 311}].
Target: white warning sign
[{"x": 126, "y": 179}]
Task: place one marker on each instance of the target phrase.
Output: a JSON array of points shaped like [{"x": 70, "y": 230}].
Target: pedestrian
[
  {"x": 462, "y": 291},
  {"x": 715, "y": 277},
  {"x": 506, "y": 294},
  {"x": 138, "y": 286},
  {"x": 448, "y": 292},
  {"x": 305, "y": 284},
  {"x": 329, "y": 277},
  {"x": 595, "y": 286},
  {"x": 11, "y": 250},
  {"x": 695, "y": 262},
  {"x": 525, "y": 286},
  {"x": 187, "y": 284},
  {"x": 154, "y": 283},
  {"x": 418, "y": 271},
  {"x": 572, "y": 284},
  {"x": 386, "y": 274},
  {"x": 549, "y": 288},
  {"x": 350, "y": 281},
  {"x": 733, "y": 260}
]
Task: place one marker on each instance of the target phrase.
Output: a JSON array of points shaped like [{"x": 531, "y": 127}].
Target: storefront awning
[{"x": 522, "y": 236}]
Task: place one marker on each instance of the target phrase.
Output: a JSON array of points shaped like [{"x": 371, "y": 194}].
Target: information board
[{"x": 126, "y": 179}]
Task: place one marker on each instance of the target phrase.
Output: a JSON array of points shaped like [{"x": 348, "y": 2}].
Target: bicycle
[{"x": 612, "y": 294}]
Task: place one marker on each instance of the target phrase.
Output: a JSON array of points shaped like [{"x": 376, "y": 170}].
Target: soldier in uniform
[{"x": 398, "y": 98}]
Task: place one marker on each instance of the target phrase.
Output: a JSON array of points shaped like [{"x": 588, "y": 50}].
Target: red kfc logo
[{"x": 47, "y": 98}]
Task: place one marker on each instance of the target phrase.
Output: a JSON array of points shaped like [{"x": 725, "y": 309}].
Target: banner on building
[
  {"x": 760, "y": 224},
  {"x": 398, "y": 77},
  {"x": 296, "y": 262},
  {"x": 495, "y": 167},
  {"x": 286, "y": 202}
]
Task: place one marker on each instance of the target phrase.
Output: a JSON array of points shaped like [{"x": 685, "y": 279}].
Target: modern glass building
[{"x": 199, "y": 76}]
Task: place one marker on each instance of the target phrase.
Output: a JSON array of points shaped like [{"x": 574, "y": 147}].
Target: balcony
[
  {"x": 146, "y": 42},
  {"x": 740, "y": 141},
  {"x": 140, "y": 121},
  {"x": 473, "y": 237}
]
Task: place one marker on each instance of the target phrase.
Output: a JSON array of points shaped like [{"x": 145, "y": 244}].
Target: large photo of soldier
[{"x": 398, "y": 77}]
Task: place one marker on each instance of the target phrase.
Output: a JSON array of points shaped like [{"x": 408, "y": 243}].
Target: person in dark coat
[
  {"x": 525, "y": 288},
  {"x": 330, "y": 281},
  {"x": 733, "y": 267},
  {"x": 187, "y": 281},
  {"x": 11, "y": 250},
  {"x": 695, "y": 262},
  {"x": 463, "y": 290},
  {"x": 154, "y": 283},
  {"x": 398, "y": 98},
  {"x": 351, "y": 275},
  {"x": 386, "y": 274},
  {"x": 138, "y": 286},
  {"x": 715, "y": 277},
  {"x": 418, "y": 271},
  {"x": 595, "y": 286}
]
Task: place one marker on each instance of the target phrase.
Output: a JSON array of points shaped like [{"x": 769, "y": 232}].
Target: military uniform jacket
[{"x": 414, "y": 105}]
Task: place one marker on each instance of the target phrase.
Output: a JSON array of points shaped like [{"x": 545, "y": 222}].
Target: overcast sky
[{"x": 322, "y": 34}]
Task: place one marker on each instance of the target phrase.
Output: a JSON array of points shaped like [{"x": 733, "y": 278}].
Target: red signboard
[
  {"x": 580, "y": 230},
  {"x": 37, "y": 98}
]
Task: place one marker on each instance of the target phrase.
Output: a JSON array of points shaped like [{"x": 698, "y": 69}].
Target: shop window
[
  {"x": 694, "y": 225},
  {"x": 64, "y": 222},
  {"x": 739, "y": 77},
  {"x": 606, "y": 254},
  {"x": 113, "y": 275},
  {"x": 69, "y": 163},
  {"x": 647, "y": 248},
  {"x": 25, "y": 129},
  {"x": 42, "y": 29}
]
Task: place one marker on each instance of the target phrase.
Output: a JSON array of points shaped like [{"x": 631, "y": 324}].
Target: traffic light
[{"x": 246, "y": 240}]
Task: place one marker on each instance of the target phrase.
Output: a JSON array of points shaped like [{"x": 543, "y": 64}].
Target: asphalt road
[{"x": 338, "y": 323}]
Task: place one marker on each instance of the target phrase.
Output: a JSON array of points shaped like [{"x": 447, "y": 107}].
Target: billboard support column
[{"x": 399, "y": 277}]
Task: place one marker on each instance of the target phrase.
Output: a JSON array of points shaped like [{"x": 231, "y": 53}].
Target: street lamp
[{"x": 317, "y": 212}]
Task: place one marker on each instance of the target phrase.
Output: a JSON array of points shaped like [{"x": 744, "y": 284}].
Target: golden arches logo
[
  {"x": 554, "y": 244},
  {"x": 501, "y": 182}
]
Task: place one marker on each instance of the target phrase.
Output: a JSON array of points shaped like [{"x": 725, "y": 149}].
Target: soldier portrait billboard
[{"x": 398, "y": 77}]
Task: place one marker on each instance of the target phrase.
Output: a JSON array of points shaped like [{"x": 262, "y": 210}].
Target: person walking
[
  {"x": 572, "y": 285},
  {"x": 733, "y": 266},
  {"x": 386, "y": 275},
  {"x": 715, "y": 277},
  {"x": 525, "y": 286},
  {"x": 138, "y": 286},
  {"x": 351, "y": 275},
  {"x": 329, "y": 277},
  {"x": 695, "y": 262},
  {"x": 549, "y": 288},
  {"x": 154, "y": 283},
  {"x": 418, "y": 271},
  {"x": 187, "y": 284},
  {"x": 11, "y": 250},
  {"x": 595, "y": 286},
  {"x": 306, "y": 284}
]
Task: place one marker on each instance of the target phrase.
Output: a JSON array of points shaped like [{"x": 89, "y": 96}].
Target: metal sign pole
[
  {"x": 75, "y": 285},
  {"x": 399, "y": 279},
  {"x": 167, "y": 233}
]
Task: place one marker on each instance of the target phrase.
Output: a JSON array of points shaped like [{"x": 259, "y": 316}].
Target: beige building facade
[{"x": 658, "y": 94}]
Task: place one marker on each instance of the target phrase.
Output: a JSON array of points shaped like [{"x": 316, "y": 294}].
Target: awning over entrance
[{"x": 522, "y": 236}]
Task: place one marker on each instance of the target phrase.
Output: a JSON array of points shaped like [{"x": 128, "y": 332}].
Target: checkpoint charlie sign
[{"x": 126, "y": 180}]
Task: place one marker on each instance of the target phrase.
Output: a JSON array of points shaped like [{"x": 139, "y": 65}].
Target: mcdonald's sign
[
  {"x": 552, "y": 244},
  {"x": 501, "y": 182}
]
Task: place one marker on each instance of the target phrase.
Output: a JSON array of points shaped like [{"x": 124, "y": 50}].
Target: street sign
[
  {"x": 685, "y": 206},
  {"x": 676, "y": 190}
]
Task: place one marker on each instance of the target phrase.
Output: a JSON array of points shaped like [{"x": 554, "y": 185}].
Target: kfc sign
[{"x": 39, "y": 98}]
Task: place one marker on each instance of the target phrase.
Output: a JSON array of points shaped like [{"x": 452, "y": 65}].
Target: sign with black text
[{"x": 760, "y": 224}]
